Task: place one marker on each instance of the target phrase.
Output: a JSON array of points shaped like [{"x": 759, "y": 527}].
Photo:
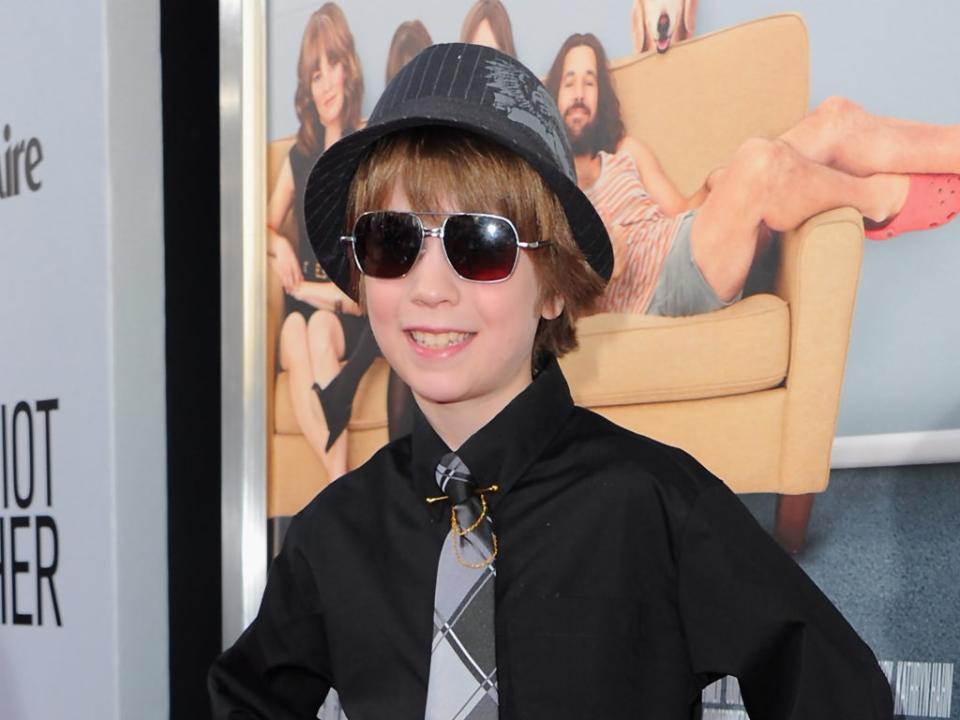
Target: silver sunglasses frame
[{"x": 437, "y": 232}]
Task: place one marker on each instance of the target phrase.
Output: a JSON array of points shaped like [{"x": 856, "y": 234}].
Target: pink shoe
[{"x": 932, "y": 201}]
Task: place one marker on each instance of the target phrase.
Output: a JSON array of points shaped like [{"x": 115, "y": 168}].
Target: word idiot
[{"x": 29, "y": 544}]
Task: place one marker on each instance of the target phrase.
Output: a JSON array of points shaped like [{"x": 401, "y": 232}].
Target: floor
[{"x": 884, "y": 545}]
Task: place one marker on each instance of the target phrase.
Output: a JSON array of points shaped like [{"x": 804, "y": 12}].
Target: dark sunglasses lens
[
  {"x": 480, "y": 247},
  {"x": 387, "y": 243}
]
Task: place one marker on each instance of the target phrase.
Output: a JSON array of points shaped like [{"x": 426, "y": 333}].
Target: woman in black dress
[{"x": 322, "y": 327}]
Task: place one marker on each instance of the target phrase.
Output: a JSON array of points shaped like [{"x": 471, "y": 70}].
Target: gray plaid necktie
[{"x": 463, "y": 667}]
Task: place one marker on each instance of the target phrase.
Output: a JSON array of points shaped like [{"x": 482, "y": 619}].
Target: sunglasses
[{"x": 479, "y": 247}]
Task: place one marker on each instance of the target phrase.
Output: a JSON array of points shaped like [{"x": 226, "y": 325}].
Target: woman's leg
[
  {"x": 841, "y": 134},
  {"x": 326, "y": 343},
  {"x": 296, "y": 357},
  {"x": 769, "y": 183},
  {"x": 337, "y": 396},
  {"x": 327, "y": 348}
]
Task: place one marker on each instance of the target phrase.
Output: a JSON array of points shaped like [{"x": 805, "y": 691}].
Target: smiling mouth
[{"x": 438, "y": 341}]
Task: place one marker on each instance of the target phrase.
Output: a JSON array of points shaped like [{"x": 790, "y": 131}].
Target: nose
[
  {"x": 431, "y": 279},
  {"x": 663, "y": 25}
]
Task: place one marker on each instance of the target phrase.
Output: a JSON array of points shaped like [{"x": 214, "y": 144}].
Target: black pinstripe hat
[{"x": 462, "y": 86}]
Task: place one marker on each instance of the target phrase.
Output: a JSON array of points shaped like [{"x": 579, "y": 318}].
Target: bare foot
[{"x": 890, "y": 195}]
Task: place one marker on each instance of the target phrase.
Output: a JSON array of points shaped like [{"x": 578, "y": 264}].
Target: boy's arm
[
  {"x": 279, "y": 667},
  {"x": 664, "y": 193},
  {"x": 749, "y": 610}
]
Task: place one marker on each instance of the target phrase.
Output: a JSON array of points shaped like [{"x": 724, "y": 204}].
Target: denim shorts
[{"x": 682, "y": 289}]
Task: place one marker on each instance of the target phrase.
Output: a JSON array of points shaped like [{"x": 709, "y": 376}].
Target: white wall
[{"x": 81, "y": 277}]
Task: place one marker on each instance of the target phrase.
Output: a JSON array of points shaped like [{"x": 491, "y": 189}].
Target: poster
[{"x": 659, "y": 67}]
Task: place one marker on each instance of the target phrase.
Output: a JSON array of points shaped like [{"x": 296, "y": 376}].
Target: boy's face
[{"x": 452, "y": 340}]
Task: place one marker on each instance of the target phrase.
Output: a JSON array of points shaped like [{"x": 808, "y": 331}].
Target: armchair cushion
[{"x": 627, "y": 359}]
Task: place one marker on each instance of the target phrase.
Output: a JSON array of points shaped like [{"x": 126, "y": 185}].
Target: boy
[{"x": 554, "y": 565}]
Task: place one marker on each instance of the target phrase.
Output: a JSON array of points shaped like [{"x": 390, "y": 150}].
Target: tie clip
[{"x": 477, "y": 491}]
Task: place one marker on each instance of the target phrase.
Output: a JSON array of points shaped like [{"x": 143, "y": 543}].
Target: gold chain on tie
[
  {"x": 456, "y": 532},
  {"x": 455, "y": 539}
]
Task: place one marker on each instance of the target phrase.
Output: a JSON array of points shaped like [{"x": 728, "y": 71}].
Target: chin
[
  {"x": 331, "y": 116},
  {"x": 437, "y": 389}
]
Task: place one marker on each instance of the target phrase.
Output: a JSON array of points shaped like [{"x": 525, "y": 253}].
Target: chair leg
[{"x": 793, "y": 516}]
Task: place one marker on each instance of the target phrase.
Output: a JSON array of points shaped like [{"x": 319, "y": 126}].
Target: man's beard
[{"x": 590, "y": 140}]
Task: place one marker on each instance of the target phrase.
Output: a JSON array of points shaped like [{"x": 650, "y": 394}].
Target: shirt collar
[{"x": 500, "y": 451}]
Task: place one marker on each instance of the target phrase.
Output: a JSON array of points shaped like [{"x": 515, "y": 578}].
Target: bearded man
[{"x": 677, "y": 255}]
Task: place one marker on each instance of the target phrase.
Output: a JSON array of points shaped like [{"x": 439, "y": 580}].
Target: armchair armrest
[{"x": 818, "y": 276}]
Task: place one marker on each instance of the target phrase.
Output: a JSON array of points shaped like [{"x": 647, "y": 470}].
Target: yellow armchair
[{"x": 752, "y": 390}]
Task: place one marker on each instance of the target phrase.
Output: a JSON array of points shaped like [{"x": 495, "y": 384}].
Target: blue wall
[{"x": 903, "y": 370}]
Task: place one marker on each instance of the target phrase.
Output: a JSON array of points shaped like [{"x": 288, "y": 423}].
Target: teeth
[{"x": 437, "y": 340}]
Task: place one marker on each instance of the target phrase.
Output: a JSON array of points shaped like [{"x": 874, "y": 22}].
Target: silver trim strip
[{"x": 243, "y": 311}]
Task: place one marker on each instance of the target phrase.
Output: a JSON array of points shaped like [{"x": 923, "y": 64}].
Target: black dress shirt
[{"x": 628, "y": 579}]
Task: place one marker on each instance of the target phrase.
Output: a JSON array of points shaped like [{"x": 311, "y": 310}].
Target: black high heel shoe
[{"x": 336, "y": 399}]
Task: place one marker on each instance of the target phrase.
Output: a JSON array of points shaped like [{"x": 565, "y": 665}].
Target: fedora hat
[{"x": 456, "y": 85}]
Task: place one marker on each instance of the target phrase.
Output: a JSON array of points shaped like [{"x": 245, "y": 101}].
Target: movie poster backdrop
[
  {"x": 328, "y": 380},
  {"x": 332, "y": 399}
]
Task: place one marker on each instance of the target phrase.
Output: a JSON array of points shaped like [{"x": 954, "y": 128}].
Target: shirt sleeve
[
  {"x": 279, "y": 668},
  {"x": 750, "y": 611}
]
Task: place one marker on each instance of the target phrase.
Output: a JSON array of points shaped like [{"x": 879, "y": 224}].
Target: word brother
[
  {"x": 18, "y": 164},
  {"x": 29, "y": 544}
]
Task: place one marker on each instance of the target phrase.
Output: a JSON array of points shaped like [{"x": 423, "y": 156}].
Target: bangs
[
  {"x": 310, "y": 52},
  {"x": 448, "y": 170},
  {"x": 323, "y": 39}
]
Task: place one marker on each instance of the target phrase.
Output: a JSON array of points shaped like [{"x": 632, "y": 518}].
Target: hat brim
[{"x": 327, "y": 187}]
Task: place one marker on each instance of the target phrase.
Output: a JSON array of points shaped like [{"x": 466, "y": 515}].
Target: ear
[
  {"x": 689, "y": 18},
  {"x": 639, "y": 27},
  {"x": 552, "y": 307}
]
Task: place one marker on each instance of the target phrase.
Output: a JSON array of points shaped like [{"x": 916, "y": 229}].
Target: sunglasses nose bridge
[{"x": 436, "y": 232}]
